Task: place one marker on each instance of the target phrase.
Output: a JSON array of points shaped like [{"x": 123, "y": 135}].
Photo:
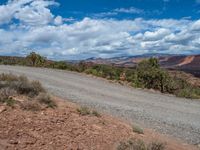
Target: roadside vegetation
[
  {"x": 135, "y": 144},
  {"x": 32, "y": 95},
  {"x": 84, "y": 111},
  {"x": 147, "y": 74}
]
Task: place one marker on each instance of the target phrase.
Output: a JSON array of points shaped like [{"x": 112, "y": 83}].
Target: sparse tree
[{"x": 36, "y": 59}]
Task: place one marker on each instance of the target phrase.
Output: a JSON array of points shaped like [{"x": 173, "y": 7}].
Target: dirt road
[{"x": 167, "y": 114}]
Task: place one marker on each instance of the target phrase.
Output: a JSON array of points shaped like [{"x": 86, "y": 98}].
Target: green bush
[
  {"x": 189, "y": 92},
  {"x": 150, "y": 75},
  {"x": 36, "y": 59},
  {"x": 61, "y": 65}
]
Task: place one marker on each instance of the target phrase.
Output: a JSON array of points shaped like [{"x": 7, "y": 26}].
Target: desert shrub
[
  {"x": 105, "y": 71},
  {"x": 6, "y": 96},
  {"x": 36, "y": 59},
  {"x": 10, "y": 102},
  {"x": 25, "y": 87},
  {"x": 8, "y": 77},
  {"x": 81, "y": 67},
  {"x": 189, "y": 92},
  {"x": 96, "y": 113},
  {"x": 60, "y": 65},
  {"x": 134, "y": 144},
  {"x": 5, "y": 93},
  {"x": 37, "y": 86},
  {"x": 45, "y": 99},
  {"x": 11, "y": 85},
  {"x": 150, "y": 75},
  {"x": 156, "y": 146},
  {"x": 131, "y": 75},
  {"x": 83, "y": 111},
  {"x": 137, "y": 129},
  {"x": 30, "y": 105},
  {"x": 91, "y": 71}
]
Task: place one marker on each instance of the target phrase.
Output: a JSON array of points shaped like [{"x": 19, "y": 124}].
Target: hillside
[
  {"x": 32, "y": 120},
  {"x": 190, "y": 64},
  {"x": 65, "y": 128}
]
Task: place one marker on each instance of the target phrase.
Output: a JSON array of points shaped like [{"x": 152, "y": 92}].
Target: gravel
[{"x": 167, "y": 114}]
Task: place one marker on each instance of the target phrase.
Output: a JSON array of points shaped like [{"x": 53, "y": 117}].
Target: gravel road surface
[{"x": 167, "y": 114}]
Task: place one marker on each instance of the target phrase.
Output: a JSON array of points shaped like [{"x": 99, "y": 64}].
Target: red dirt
[{"x": 63, "y": 128}]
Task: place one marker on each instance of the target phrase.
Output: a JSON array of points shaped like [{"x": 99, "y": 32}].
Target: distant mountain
[
  {"x": 126, "y": 61},
  {"x": 185, "y": 63}
]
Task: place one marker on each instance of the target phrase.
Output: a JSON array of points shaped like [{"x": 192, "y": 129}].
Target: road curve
[{"x": 167, "y": 114}]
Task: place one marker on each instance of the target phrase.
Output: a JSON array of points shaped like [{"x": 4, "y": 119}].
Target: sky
[{"x": 80, "y": 29}]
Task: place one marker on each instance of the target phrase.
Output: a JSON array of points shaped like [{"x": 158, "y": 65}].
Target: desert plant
[
  {"x": 8, "y": 77},
  {"x": 137, "y": 144},
  {"x": 137, "y": 129},
  {"x": 45, "y": 99},
  {"x": 83, "y": 110},
  {"x": 30, "y": 105},
  {"x": 11, "y": 85},
  {"x": 156, "y": 146},
  {"x": 6, "y": 95},
  {"x": 96, "y": 113},
  {"x": 10, "y": 102},
  {"x": 25, "y": 87},
  {"x": 132, "y": 144},
  {"x": 189, "y": 92},
  {"x": 36, "y": 59}
]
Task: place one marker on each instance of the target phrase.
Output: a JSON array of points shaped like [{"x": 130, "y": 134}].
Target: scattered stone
[
  {"x": 13, "y": 142},
  {"x": 2, "y": 109}
]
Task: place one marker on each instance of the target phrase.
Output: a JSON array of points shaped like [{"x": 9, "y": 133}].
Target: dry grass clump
[
  {"x": 156, "y": 146},
  {"x": 87, "y": 111},
  {"x": 45, "y": 99},
  {"x": 134, "y": 144},
  {"x": 31, "y": 106},
  {"x": 12, "y": 86},
  {"x": 137, "y": 129}
]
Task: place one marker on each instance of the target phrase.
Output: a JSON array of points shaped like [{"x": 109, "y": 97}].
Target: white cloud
[
  {"x": 29, "y": 12},
  {"x": 58, "y": 20},
  {"x": 156, "y": 35},
  {"x": 55, "y": 38},
  {"x": 117, "y": 11},
  {"x": 131, "y": 10}
]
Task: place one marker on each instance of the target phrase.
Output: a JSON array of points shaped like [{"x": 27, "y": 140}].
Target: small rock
[
  {"x": 2, "y": 109},
  {"x": 198, "y": 146},
  {"x": 13, "y": 142}
]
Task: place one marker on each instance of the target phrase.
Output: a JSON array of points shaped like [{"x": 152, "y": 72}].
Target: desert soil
[
  {"x": 167, "y": 114},
  {"x": 63, "y": 128}
]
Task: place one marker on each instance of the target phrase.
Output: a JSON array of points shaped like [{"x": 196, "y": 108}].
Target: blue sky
[
  {"x": 79, "y": 29},
  {"x": 152, "y": 8}
]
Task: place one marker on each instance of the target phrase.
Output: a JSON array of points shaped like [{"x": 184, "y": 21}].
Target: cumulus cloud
[
  {"x": 58, "y": 20},
  {"x": 56, "y": 38},
  {"x": 29, "y": 12}
]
